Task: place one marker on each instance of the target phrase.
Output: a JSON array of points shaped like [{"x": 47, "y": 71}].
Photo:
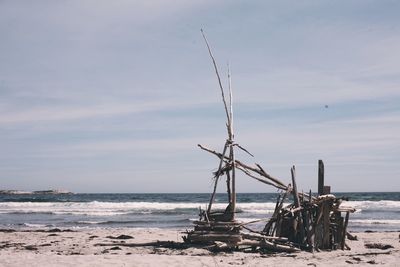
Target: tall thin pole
[
  {"x": 231, "y": 137},
  {"x": 320, "y": 177},
  {"x": 229, "y": 116}
]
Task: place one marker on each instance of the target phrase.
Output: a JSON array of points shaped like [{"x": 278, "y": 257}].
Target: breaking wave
[
  {"x": 96, "y": 208},
  {"x": 374, "y": 206}
]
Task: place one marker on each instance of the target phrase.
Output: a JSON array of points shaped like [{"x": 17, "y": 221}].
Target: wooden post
[
  {"x": 346, "y": 221},
  {"x": 233, "y": 189},
  {"x": 320, "y": 177},
  {"x": 326, "y": 190},
  {"x": 228, "y": 186},
  {"x": 295, "y": 194},
  {"x": 297, "y": 204},
  {"x": 326, "y": 240},
  {"x": 231, "y": 142}
]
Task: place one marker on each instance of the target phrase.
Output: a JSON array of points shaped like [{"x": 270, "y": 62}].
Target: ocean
[{"x": 375, "y": 211}]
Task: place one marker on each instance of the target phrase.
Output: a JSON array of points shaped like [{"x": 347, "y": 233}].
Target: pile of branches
[
  {"x": 309, "y": 223},
  {"x": 229, "y": 236}
]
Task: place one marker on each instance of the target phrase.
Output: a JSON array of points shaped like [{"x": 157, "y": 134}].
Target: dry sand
[{"x": 43, "y": 248}]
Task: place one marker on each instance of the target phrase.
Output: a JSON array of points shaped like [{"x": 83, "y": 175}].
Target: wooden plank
[{"x": 326, "y": 225}]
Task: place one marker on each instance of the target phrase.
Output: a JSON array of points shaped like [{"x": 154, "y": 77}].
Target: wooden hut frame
[{"x": 311, "y": 222}]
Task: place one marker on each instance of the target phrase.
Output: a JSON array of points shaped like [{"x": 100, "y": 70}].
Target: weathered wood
[
  {"x": 218, "y": 76},
  {"x": 228, "y": 186},
  {"x": 254, "y": 236},
  {"x": 320, "y": 177},
  {"x": 278, "y": 184},
  {"x": 326, "y": 224},
  {"x": 216, "y": 177},
  {"x": 305, "y": 217},
  {"x": 350, "y": 236},
  {"x": 346, "y": 221},
  {"x": 230, "y": 223},
  {"x": 266, "y": 175},
  {"x": 297, "y": 205},
  {"x": 165, "y": 244},
  {"x": 222, "y": 245},
  {"x": 269, "y": 245},
  {"x": 257, "y": 178},
  {"x": 295, "y": 194},
  {"x": 233, "y": 180},
  {"x": 231, "y": 238},
  {"x": 226, "y": 228},
  {"x": 310, "y": 222},
  {"x": 326, "y": 190}
]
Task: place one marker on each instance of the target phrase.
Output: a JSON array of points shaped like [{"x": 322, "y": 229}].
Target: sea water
[{"x": 374, "y": 211}]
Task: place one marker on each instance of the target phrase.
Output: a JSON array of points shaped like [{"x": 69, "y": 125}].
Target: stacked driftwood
[
  {"x": 311, "y": 223},
  {"x": 308, "y": 223}
]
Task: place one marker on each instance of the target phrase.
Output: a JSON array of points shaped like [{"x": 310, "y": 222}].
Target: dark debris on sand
[
  {"x": 120, "y": 237},
  {"x": 378, "y": 246}
]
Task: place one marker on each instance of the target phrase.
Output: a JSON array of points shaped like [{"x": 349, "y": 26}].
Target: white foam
[
  {"x": 96, "y": 208},
  {"x": 384, "y": 205},
  {"x": 36, "y": 225},
  {"x": 375, "y": 221}
]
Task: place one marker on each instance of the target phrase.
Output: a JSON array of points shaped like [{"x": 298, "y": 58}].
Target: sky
[{"x": 114, "y": 96}]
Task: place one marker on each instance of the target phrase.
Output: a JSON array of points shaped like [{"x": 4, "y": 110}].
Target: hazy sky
[{"x": 114, "y": 96}]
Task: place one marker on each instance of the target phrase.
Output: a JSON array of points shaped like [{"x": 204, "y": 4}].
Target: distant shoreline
[{"x": 40, "y": 192}]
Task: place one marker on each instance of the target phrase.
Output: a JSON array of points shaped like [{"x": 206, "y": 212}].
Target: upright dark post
[{"x": 320, "y": 177}]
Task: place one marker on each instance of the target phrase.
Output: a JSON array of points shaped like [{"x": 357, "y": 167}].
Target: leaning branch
[
  {"x": 277, "y": 183},
  {"x": 219, "y": 81}
]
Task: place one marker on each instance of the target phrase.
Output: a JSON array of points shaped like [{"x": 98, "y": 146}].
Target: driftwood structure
[{"x": 311, "y": 222}]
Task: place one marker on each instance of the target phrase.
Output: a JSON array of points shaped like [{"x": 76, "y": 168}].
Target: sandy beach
[{"x": 55, "y": 247}]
